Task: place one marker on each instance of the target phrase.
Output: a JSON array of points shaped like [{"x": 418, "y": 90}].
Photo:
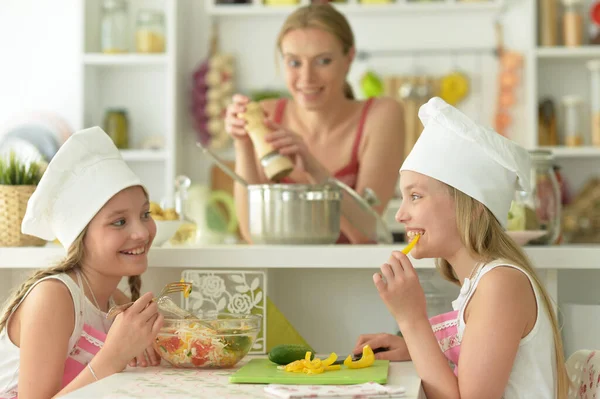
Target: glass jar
[
  {"x": 150, "y": 31},
  {"x": 537, "y": 214},
  {"x": 572, "y": 23},
  {"x": 594, "y": 67},
  {"x": 116, "y": 126},
  {"x": 572, "y": 132},
  {"x": 114, "y": 27}
]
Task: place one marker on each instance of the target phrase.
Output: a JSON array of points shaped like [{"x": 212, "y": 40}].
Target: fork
[{"x": 170, "y": 288}]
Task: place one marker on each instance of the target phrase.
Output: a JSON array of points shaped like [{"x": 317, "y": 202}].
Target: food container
[{"x": 216, "y": 340}]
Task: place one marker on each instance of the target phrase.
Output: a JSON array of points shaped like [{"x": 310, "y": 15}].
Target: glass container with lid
[
  {"x": 116, "y": 126},
  {"x": 150, "y": 31},
  {"x": 114, "y": 27},
  {"x": 536, "y": 216}
]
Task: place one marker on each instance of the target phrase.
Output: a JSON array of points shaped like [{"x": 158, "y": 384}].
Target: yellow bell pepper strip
[
  {"x": 367, "y": 359},
  {"x": 411, "y": 245},
  {"x": 315, "y": 366},
  {"x": 329, "y": 361}
]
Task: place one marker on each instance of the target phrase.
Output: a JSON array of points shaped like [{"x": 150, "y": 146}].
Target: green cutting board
[{"x": 264, "y": 371}]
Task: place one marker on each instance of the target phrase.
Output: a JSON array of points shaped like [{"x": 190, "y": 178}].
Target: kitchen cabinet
[{"x": 146, "y": 85}]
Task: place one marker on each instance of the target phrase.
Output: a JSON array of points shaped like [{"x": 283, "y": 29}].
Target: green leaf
[{"x": 14, "y": 172}]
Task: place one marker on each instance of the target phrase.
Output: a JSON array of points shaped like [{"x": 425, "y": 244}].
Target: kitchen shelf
[
  {"x": 143, "y": 155},
  {"x": 124, "y": 59},
  {"x": 566, "y": 257},
  {"x": 355, "y": 8},
  {"x": 568, "y": 53},
  {"x": 574, "y": 152}
]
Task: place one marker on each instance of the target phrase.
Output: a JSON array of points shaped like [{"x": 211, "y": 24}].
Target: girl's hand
[
  {"x": 394, "y": 348},
  {"x": 401, "y": 291},
  {"x": 133, "y": 331},
  {"x": 149, "y": 357},
  {"x": 291, "y": 144}
]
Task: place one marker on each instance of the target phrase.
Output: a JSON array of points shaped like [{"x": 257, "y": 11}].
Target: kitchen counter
[
  {"x": 288, "y": 256},
  {"x": 166, "y": 382}
]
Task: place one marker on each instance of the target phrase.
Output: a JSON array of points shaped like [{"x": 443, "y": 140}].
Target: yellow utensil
[{"x": 411, "y": 245}]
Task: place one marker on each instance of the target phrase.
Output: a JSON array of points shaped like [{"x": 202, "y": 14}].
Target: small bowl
[
  {"x": 165, "y": 229},
  {"x": 522, "y": 237},
  {"x": 185, "y": 343}
]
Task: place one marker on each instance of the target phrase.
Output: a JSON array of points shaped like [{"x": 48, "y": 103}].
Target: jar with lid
[
  {"x": 116, "y": 126},
  {"x": 114, "y": 33},
  {"x": 572, "y": 22},
  {"x": 572, "y": 127},
  {"x": 150, "y": 31},
  {"x": 537, "y": 213},
  {"x": 594, "y": 67}
]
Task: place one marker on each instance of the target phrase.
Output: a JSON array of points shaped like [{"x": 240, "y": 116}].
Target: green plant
[{"x": 15, "y": 172}]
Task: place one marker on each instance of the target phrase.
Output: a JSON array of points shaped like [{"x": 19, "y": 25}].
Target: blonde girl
[
  {"x": 502, "y": 338},
  {"x": 54, "y": 334}
]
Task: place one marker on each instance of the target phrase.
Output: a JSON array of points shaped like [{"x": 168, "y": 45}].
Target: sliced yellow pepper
[
  {"x": 315, "y": 366},
  {"x": 367, "y": 359},
  {"x": 329, "y": 361},
  {"x": 411, "y": 245}
]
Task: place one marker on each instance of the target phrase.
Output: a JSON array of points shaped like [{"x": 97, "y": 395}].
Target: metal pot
[
  {"x": 294, "y": 213},
  {"x": 305, "y": 213}
]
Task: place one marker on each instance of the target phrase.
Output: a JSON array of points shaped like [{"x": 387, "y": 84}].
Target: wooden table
[{"x": 167, "y": 382}]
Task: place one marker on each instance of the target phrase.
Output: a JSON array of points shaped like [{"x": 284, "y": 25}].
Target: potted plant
[{"x": 18, "y": 180}]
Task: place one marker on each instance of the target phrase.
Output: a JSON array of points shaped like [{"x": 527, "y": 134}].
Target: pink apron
[
  {"x": 90, "y": 343},
  {"x": 446, "y": 332}
]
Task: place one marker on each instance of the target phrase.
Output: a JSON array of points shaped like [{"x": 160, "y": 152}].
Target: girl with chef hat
[
  {"x": 54, "y": 334},
  {"x": 502, "y": 337}
]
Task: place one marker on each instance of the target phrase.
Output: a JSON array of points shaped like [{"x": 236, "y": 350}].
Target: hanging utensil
[{"x": 223, "y": 166}]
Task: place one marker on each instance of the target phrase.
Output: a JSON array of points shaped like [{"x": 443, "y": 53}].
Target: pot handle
[{"x": 382, "y": 233}]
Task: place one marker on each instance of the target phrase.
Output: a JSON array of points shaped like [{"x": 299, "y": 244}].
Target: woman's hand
[
  {"x": 401, "y": 291},
  {"x": 132, "y": 332},
  {"x": 292, "y": 145},
  {"x": 393, "y": 347},
  {"x": 234, "y": 125}
]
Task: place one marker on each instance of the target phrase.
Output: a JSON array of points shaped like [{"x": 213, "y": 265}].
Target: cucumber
[{"x": 287, "y": 353}]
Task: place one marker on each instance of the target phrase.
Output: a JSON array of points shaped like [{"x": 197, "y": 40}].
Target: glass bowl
[{"x": 217, "y": 340}]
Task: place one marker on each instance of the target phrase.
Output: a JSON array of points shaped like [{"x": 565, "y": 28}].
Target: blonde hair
[
  {"x": 326, "y": 18},
  {"x": 72, "y": 261},
  {"x": 484, "y": 238}
]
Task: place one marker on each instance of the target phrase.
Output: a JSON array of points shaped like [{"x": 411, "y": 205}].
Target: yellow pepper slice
[
  {"x": 329, "y": 361},
  {"x": 367, "y": 359},
  {"x": 411, "y": 245},
  {"x": 334, "y": 367}
]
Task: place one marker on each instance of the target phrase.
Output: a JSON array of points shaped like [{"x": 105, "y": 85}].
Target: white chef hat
[
  {"x": 469, "y": 157},
  {"x": 85, "y": 173}
]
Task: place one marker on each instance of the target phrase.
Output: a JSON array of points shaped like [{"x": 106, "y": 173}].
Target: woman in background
[{"x": 323, "y": 128}]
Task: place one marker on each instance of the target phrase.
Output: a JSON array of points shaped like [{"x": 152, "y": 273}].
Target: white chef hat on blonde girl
[{"x": 86, "y": 172}]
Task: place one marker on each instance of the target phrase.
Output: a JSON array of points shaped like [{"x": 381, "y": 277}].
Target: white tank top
[
  {"x": 85, "y": 313},
  {"x": 534, "y": 370}
]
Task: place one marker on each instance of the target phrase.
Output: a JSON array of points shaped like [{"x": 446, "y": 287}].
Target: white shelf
[
  {"x": 355, "y": 8},
  {"x": 568, "y": 53},
  {"x": 124, "y": 59},
  {"x": 568, "y": 257},
  {"x": 144, "y": 155},
  {"x": 574, "y": 152}
]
